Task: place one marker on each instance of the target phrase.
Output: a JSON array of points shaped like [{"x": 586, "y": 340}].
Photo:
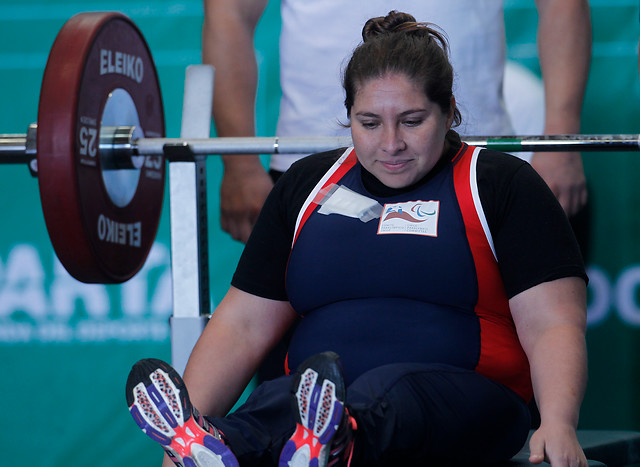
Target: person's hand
[
  {"x": 245, "y": 186},
  {"x": 557, "y": 445},
  {"x": 564, "y": 174}
]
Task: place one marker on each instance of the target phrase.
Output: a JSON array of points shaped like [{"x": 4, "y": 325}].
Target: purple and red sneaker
[
  {"x": 324, "y": 429},
  {"x": 159, "y": 403}
]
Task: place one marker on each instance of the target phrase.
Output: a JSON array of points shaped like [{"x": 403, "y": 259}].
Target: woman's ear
[{"x": 452, "y": 112}]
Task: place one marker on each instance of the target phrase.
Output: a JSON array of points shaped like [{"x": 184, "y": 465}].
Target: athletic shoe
[
  {"x": 159, "y": 403},
  {"x": 318, "y": 394}
]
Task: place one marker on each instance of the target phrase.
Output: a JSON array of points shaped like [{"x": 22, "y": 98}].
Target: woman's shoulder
[
  {"x": 500, "y": 169},
  {"x": 500, "y": 160},
  {"x": 305, "y": 173},
  {"x": 318, "y": 162}
]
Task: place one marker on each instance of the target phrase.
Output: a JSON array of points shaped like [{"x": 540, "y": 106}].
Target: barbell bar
[
  {"x": 308, "y": 145},
  {"x": 121, "y": 144},
  {"x": 99, "y": 147}
]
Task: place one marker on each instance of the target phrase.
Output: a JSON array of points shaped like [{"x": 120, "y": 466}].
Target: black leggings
[{"x": 406, "y": 414}]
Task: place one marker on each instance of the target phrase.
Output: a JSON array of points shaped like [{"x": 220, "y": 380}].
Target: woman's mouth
[{"x": 394, "y": 166}]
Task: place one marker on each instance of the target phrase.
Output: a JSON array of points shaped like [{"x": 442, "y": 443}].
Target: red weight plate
[{"x": 95, "y": 239}]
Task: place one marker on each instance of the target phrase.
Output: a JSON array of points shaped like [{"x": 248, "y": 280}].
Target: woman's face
[{"x": 398, "y": 133}]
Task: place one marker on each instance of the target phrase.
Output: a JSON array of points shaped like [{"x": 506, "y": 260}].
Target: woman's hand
[{"x": 558, "y": 445}]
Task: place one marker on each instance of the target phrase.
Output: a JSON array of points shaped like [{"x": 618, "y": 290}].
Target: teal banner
[{"x": 66, "y": 347}]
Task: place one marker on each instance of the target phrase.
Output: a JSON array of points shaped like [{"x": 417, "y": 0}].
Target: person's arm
[
  {"x": 241, "y": 332},
  {"x": 550, "y": 319},
  {"x": 564, "y": 45},
  {"x": 227, "y": 44}
]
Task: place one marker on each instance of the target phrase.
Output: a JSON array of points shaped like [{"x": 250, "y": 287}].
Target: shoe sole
[
  {"x": 159, "y": 403},
  {"x": 317, "y": 396}
]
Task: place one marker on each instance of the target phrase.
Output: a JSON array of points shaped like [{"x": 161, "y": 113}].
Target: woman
[{"x": 446, "y": 278}]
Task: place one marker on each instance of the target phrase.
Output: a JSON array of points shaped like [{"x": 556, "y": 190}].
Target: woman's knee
[{"x": 436, "y": 410}]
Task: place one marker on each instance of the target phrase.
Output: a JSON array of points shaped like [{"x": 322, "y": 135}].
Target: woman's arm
[
  {"x": 551, "y": 322},
  {"x": 241, "y": 332}
]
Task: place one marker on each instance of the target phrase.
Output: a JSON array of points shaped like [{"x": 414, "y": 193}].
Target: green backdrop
[{"x": 66, "y": 347}]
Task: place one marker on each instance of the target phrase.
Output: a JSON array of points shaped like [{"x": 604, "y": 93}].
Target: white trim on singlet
[
  {"x": 317, "y": 188},
  {"x": 473, "y": 182}
]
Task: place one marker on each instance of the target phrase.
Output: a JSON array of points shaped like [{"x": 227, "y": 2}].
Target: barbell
[{"x": 99, "y": 147}]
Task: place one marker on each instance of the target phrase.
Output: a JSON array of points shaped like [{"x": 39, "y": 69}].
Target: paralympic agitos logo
[{"x": 413, "y": 217}]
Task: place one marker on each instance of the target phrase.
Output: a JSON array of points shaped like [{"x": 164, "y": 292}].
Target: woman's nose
[{"x": 392, "y": 140}]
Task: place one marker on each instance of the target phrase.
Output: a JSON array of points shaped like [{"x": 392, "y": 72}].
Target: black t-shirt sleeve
[
  {"x": 262, "y": 267},
  {"x": 532, "y": 236},
  {"x": 264, "y": 258}
]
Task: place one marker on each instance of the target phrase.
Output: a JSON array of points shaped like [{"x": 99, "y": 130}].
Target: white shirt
[{"x": 318, "y": 37}]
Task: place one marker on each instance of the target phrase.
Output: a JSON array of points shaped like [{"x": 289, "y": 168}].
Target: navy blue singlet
[{"x": 420, "y": 284}]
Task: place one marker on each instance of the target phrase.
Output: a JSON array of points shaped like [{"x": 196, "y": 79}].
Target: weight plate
[{"x": 102, "y": 220}]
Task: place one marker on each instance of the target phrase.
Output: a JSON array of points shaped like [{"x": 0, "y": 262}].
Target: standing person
[
  {"x": 316, "y": 38},
  {"x": 436, "y": 287}
]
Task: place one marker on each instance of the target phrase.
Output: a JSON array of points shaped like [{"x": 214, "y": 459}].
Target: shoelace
[
  {"x": 342, "y": 446},
  {"x": 208, "y": 427}
]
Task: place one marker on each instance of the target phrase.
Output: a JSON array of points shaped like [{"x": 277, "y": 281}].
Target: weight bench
[{"x": 602, "y": 448}]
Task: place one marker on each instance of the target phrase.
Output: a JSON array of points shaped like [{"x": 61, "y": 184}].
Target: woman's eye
[
  {"x": 413, "y": 122},
  {"x": 369, "y": 125}
]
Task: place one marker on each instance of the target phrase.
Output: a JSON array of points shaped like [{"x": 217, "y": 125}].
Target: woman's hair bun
[
  {"x": 396, "y": 43},
  {"x": 394, "y": 21}
]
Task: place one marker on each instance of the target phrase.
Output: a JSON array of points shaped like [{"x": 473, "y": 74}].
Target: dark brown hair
[{"x": 396, "y": 43}]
